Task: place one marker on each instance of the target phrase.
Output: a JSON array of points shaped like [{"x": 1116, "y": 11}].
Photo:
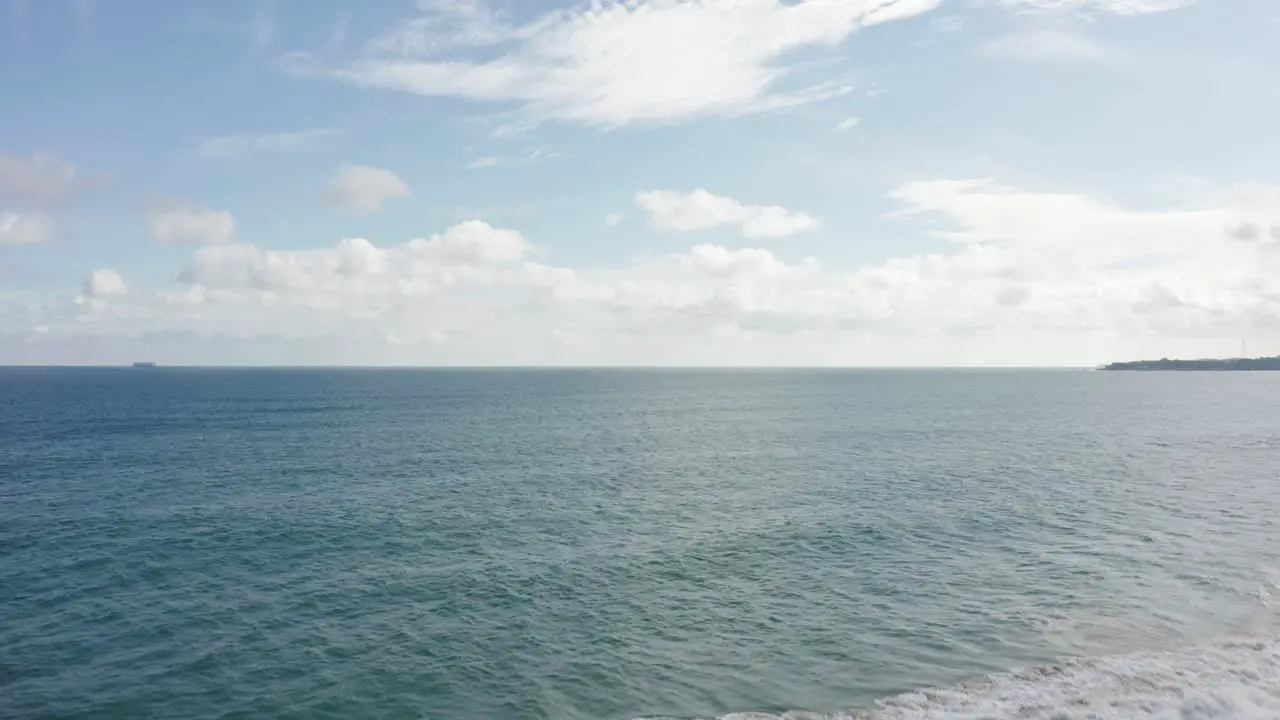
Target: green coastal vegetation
[{"x": 1258, "y": 363}]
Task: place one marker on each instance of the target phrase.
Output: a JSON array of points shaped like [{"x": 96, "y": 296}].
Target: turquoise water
[{"x": 622, "y": 544}]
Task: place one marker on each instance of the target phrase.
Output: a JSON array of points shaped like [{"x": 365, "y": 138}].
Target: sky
[{"x": 638, "y": 182}]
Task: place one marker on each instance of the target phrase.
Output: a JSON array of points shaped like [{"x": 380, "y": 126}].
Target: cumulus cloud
[
  {"x": 39, "y": 181},
  {"x": 469, "y": 249},
  {"x": 357, "y": 257},
  {"x": 105, "y": 282},
  {"x": 1026, "y": 276},
  {"x": 614, "y": 219},
  {"x": 676, "y": 211},
  {"x": 287, "y": 142},
  {"x": 35, "y": 181},
  {"x": 33, "y": 190},
  {"x": 1170, "y": 271},
  {"x": 24, "y": 229},
  {"x": 1048, "y": 44},
  {"x": 363, "y": 189},
  {"x": 1253, "y": 232},
  {"x": 184, "y": 224},
  {"x": 616, "y": 62}
]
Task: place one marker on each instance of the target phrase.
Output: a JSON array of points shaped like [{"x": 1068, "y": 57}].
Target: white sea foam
[
  {"x": 1237, "y": 681},
  {"x": 1240, "y": 681}
]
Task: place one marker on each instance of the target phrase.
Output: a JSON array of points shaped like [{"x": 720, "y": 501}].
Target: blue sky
[{"x": 829, "y": 182}]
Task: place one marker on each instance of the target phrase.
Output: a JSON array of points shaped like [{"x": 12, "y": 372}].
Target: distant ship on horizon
[{"x": 144, "y": 364}]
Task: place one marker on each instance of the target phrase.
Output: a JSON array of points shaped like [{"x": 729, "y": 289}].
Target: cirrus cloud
[
  {"x": 1048, "y": 44},
  {"x": 285, "y": 142},
  {"x": 617, "y": 62},
  {"x": 1114, "y": 7}
]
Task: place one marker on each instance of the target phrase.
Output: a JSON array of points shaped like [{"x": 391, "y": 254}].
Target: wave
[{"x": 1234, "y": 681}]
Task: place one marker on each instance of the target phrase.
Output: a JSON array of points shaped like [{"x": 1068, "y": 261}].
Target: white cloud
[
  {"x": 24, "y": 229},
  {"x": 363, "y": 189},
  {"x": 486, "y": 161},
  {"x": 1026, "y": 277},
  {"x": 473, "y": 241},
  {"x": 848, "y": 123},
  {"x": 1115, "y": 7},
  {"x": 981, "y": 210},
  {"x": 1091, "y": 264},
  {"x": 358, "y": 257},
  {"x": 1252, "y": 232},
  {"x": 35, "y": 187},
  {"x": 616, "y": 62},
  {"x": 36, "y": 181},
  {"x": 184, "y": 224},
  {"x": 675, "y": 211},
  {"x": 613, "y": 219},
  {"x": 468, "y": 249},
  {"x": 707, "y": 287},
  {"x": 444, "y": 25},
  {"x": 105, "y": 282},
  {"x": 1046, "y": 44},
  {"x": 531, "y": 156},
  {"x": 289, "y": 142}
]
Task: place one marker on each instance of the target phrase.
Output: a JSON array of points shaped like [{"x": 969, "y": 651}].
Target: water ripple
[{"x": 612, "y": 545}]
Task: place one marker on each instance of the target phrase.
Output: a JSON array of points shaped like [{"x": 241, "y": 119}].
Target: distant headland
[{"x": 1260, "y": 363}]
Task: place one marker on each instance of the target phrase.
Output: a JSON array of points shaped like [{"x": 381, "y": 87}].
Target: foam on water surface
[
  {"x": 1237, "y": 681},
  {"x": 606, "y": 545}
]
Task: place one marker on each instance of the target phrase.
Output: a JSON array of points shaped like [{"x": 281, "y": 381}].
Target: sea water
[{"x": 616, "y": 544}]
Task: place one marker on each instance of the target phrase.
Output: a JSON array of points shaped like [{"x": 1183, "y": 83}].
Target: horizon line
[{"x": 237, "y": 366}]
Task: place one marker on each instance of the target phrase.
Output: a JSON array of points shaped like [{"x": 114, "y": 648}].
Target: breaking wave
[{"x": 1233, "y": 681}]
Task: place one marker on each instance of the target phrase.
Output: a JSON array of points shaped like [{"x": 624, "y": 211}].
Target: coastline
[{"x": 1258, "y": 364}]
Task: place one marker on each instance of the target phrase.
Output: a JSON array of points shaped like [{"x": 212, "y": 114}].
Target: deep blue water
[{"x": 612, "y": 544}]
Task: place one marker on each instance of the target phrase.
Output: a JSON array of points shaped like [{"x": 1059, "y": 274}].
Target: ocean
[{"x": 621, "y": 544}]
